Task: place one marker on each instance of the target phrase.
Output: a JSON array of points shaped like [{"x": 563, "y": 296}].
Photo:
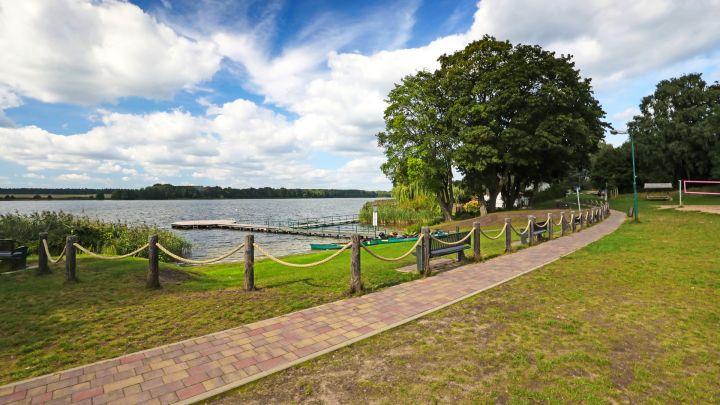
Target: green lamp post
[{"x": 635, "y": 194}]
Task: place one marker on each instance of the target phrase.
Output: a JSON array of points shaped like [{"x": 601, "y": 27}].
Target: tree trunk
[
  {"x": 492, "y": 202},
  {"x": 446, "y": 210}
]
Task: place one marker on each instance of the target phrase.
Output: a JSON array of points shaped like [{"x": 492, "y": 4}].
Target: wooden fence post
[
  {"x": 43, "y": 267},
  {"x": 356, "y": 284},
  {"x": 508, "y": 235},
  {"x": 531, "y": 230},
  {"x": 426, "y": 251},
  {"x": 250, "y": 262},
  {"x": 562, "y": 223},
  {"x": 153, "y": 274},
  {"x": 550, "y": 225},
  {"x": 476, "y": 241},
  {"x": 70, "y": 261},
  {"x": 572, "y": 222}
]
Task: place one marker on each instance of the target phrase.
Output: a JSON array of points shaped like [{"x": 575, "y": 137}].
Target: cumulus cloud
[
  {"x": 611, "y": 40},
  {"x": 87, "y": 52},
  {"x": 331, "y": 100}
]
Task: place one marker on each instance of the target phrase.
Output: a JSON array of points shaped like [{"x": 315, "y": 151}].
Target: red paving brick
[{"x": 195, "y": 369}]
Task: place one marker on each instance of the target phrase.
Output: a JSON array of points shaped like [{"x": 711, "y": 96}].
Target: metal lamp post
[{"x": 635, "y": 194}]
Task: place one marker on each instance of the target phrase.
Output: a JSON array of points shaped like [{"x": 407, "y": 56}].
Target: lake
[{"x": 210, "y": 242}]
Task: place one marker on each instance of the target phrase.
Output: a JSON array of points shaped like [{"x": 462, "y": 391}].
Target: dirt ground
[{"x": 711, "y": 209}]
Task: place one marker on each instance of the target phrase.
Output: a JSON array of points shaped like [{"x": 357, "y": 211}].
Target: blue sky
[{"x": 283, "y": 93}]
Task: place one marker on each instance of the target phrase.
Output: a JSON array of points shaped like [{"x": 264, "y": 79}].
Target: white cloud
[
  {"x": 86, "y": 52},
  {"x": 626, "y": 114},
  {"x": 74, "y": 177},
  {"x": 334, "y": 97},
  {"x": 612, "y": 40}
]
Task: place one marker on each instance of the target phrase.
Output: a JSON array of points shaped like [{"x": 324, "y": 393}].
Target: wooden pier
[{"x": 317, "y": 227}]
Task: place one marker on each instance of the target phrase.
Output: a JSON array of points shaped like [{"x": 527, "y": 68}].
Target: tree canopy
[
  {"x": 677, "y": 133},
  {"x": 506, "y": 117}
]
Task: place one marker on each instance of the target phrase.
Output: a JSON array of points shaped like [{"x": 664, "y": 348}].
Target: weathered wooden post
[
  {"x": 531, "y": 230},
  {"x": 550, "y": 225},
  {"x": 355, "y": 280},
  {"x": 562, "y": 223},
  {"x": 43, "y": 267},
  {"x": 573, "y": 225},
  {"x": 153, "y": 274},
  {"x": 426, "y": 251},
  {"x": 508, "y": 235},
  {"x": 249, "y": 262},
  {"x": 70, "y": 261},
  {"x": 477, "y": 255}
]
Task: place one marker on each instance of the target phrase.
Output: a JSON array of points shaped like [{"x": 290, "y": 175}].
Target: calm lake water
[{"x": 212, "y": 242}]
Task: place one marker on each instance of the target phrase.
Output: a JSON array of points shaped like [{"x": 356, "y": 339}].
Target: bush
[
  {"x": 472, "y": 207},
  {"x": 391, "y": 213},
  {"x": 98, "y": 236}
]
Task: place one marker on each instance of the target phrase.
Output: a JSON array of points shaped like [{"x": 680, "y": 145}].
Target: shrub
[
  {"x": 472, "y": 207},
  {"x": 107, "y": 238}
]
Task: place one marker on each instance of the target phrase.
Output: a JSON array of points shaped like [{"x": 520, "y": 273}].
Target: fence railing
[{"x": 533, "y": 232}]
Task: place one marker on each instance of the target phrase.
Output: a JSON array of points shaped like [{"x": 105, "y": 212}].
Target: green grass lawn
[
  {"x": 48, "y": 325},
  {"x": 634, "y": 317}
]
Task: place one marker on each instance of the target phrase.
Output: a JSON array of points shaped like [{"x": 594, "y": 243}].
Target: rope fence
[
  {"x": 533, "y": 232},
  {"x": 205, "y": 261},
  {"x": 395, "y": 259},
  {"x": 302, "y": 265}
]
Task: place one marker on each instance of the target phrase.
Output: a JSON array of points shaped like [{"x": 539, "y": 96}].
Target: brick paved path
[{"x": 199, "y": 368}]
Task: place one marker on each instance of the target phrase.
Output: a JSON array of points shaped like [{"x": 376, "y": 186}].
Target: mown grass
[
  {"x": 48, "y": 325},
  {"x": 631, "y": 318}
]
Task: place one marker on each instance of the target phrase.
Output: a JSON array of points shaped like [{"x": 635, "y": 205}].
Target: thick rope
[
  {"x": 452, "y": 243},
  {"x": 284, "y": 263},
  {"x": 206, "y": 261},
  {"x": 97, "y": 256},
  {"x": 524, "y": 231},
  {"x": 47, "y": 253},
  {"x": 560, "y": 221},
  {"x": 393, "y": 259},
  {"x": 543, "y": 224},
  {"x": 502, "y": 231}
]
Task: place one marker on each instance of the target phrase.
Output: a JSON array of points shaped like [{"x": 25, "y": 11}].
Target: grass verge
[{"x": 631, "y": 318}]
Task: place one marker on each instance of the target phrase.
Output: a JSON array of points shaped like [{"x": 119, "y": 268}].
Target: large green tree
[
  {"x": 522, "y": 114},
  {"x": 613, "y": 167},
  {"x": 677, "y": 133},
  {"x": 419, "y": 140}
]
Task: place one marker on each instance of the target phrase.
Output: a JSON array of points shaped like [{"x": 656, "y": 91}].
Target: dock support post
[
  {"x": 550, "y": 225},
  {"x": 43, "y": 267},
  {"x": 153, "y": 275},
  {"x": 477, "y": 254},
  {"x": 426, "y": 251},
  {"x": 250, "y": 262},
  {"x": 356, "y": 284},
  {"x": 70, "y": 261},
  {"x": 508, "y": 235}
]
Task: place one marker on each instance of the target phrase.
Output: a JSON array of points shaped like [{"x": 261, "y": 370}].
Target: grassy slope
[
  {"x": 49, "y": 326},
  {"x": 631, "y": 318}
]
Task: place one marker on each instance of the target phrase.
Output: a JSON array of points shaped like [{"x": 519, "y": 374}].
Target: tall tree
[
  {"x": 677, "y": 132},
  {"x": 522, "y": 114},
  {"x": 419, "y": 140}
]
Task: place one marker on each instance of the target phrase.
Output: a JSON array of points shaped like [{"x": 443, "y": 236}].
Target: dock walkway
[
  {"x": 198, "y": 368},
  {"x": 324, "y": 227}
]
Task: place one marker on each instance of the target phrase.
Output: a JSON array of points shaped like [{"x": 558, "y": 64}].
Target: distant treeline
[
  {"x": 56, "y": 191},
  {"x": 169, "y": 191}
]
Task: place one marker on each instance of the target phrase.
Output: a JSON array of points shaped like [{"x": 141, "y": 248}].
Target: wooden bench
[
  {"x": 538, "y": 232},
  {"x": 438, "y": 249},
  {"x": 16, "y": 256}
]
